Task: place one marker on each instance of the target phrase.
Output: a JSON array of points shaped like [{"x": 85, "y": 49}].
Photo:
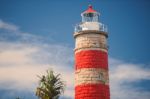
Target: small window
[{"x": 101, "y": 76}]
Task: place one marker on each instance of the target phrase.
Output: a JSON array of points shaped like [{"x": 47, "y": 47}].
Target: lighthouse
[{"x": 91, "y": 57}]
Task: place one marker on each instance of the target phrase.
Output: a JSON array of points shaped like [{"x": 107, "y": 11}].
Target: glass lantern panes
[{"x": 90, "y": 17}]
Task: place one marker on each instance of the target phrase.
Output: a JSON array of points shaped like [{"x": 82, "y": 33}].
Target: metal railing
[{"x": 101, "y": 27}]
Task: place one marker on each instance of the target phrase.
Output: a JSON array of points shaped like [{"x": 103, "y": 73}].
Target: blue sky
[{"x": 38, "y": 34}]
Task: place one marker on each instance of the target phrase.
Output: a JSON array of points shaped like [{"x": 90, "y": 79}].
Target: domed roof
[{"x": 89, "y": 10}]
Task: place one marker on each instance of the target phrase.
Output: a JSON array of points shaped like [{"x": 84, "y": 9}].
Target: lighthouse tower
[{"x": 91, "y": 57}]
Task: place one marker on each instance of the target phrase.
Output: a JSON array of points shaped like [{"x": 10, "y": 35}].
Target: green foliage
[
  {"x": 18, "y": 98},
  {"x": 50, "y": 86}
]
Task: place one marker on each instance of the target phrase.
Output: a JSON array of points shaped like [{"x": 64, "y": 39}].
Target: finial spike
[{"x": 90, "y": 6}]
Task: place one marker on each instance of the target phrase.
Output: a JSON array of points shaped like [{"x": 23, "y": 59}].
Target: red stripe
[
  {"x": 91, "y": 59},
  {"x": 92, "y": 91}
]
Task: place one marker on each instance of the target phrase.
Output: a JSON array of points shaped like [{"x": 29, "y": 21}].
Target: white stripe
[
  {"x": 91, "y": 76},
  {"x": 91, "y": 41}
]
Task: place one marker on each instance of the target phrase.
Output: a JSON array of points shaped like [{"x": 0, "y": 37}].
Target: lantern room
[
  {"x": 90, "y": 21},
  {"x": 90, "y": 15}
]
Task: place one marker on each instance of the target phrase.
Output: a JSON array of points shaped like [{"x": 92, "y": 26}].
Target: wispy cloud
[
  {"x": 8, "y": 26},
  {"x": 12, "y": 33},
  {"x": 123, "y": 75}
]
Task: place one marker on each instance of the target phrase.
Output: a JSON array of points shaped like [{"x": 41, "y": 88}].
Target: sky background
[{"x": 38, "y": 34}]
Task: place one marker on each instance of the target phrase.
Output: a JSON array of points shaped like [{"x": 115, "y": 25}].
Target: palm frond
[{"x": 50, "y": 86}]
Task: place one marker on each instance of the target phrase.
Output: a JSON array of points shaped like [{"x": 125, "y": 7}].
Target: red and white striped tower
[{"x": 91, "y": 58}]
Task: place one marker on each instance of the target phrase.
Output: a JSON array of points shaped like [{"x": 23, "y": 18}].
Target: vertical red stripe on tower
[{"x": 91, "y": 59}]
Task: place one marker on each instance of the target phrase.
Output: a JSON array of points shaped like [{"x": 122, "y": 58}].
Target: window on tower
[{"x": 101, "y": 76}]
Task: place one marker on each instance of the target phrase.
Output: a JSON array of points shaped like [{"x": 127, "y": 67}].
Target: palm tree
[
  {"x": 18, "y": 98},
  {"x": 50, "y": 86}
]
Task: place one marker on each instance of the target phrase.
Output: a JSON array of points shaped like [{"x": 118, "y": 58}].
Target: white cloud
[
  {"x": 21, "y": 63},
  {"x": 13, "y": 33},
  {"x": 122, "y": 77},
  {"x": 8, "y": 26},
  {"x": 130, "y": 73},
  {"x": 15, "y": 54}
]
